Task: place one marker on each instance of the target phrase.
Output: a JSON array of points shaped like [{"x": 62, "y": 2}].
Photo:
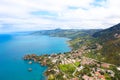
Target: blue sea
[{"x": 14, "y": 46}]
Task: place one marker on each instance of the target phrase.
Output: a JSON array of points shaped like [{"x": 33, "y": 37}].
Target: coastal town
[{"x": 74, "y": 66}]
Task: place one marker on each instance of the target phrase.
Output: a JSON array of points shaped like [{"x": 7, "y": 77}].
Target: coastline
[
  {"x": 41, "y": 64},
  {"x": 27, "y": 44},
  {"x": 77, "y": 62},
  {"x": 65, "y": 66},
  {"x": 67, "y": 42}
]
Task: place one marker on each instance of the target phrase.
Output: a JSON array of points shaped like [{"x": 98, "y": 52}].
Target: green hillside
[
  {"x": 110, "y": 40},
  {"x": 108, "y": 34}
]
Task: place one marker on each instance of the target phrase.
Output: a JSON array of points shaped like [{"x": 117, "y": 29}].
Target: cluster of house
[{"x": 97, "y": 73}]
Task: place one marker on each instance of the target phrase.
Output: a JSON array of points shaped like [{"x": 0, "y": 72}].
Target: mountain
[
  {"x": 108, "y": 34},
  {"x": 110, "y": 41}
]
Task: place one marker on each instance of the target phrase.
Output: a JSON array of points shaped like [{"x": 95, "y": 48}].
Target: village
[{"x": 73, "y": 66}]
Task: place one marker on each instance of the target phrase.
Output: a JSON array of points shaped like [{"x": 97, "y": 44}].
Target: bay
[{"x": 14, "y": 46}]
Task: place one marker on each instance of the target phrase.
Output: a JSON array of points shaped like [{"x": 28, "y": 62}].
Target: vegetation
[
  {"x": 91, "y": 50},
  {"x": 67, "y": 68},
  {"x": 109, "y": 39}
]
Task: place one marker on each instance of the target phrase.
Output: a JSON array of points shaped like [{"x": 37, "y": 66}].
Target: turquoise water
[{"x": 14, "y": 47}]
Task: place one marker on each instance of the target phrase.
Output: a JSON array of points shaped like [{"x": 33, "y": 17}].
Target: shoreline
[
  {"x": 58, "y": 64},
  {"x": 35, "y": 61},
  {"x": 77, "y": 62}
]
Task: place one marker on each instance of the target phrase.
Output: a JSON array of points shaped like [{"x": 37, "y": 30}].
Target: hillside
[
  {"x": 108, "y": 34},
  {"x": 110, "y": 40}
]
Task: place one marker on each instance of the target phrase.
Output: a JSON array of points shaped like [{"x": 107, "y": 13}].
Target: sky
[{"x": 28, "y": 15}]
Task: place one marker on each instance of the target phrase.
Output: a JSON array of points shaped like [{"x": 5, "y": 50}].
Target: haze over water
[{"x": 14, "y": 46}]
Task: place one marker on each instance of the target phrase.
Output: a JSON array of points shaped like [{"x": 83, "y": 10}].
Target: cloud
[{"x": 21, "y": 15}]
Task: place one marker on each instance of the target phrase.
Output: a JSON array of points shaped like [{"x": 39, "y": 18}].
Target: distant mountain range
[{"x": 69, "y": 33}]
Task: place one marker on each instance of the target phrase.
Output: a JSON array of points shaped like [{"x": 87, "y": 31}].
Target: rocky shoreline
[{"x": 74, "y": 66}]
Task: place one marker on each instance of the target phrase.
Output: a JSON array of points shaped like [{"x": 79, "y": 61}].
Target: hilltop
[{"x": 111, "y": 33}]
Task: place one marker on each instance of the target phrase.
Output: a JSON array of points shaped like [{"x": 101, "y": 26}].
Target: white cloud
[{"x": 80, "y": 14}]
